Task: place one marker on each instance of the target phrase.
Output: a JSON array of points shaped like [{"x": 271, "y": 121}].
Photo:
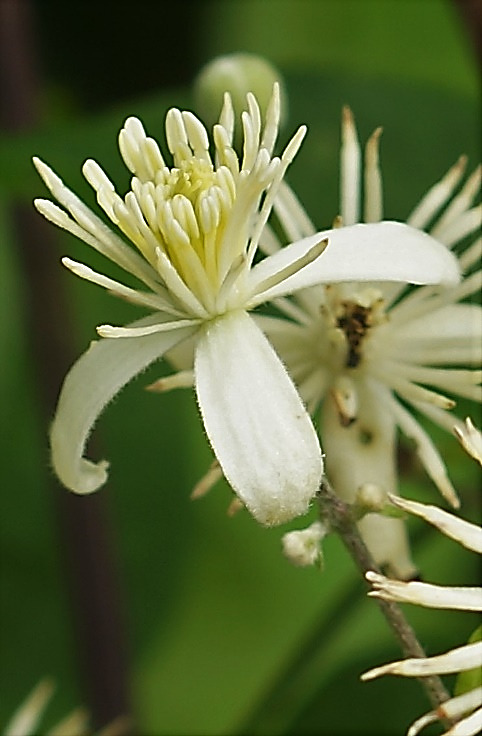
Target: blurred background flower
[{"x": 140, "y": 600}]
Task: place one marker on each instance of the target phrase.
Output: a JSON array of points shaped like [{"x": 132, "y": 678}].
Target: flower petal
[
  {"x": 425, "y": 594},
  {"x": 455, "y": 708},
  {"x": 461, "y": 659},
  {"x": 470, "y": 535},
  {"x": 470, "y": 438},
  {"x": 384, "y": 251},
  {"x": 469, "y": 726},
  {"x": 255, "y": 420},
  {"x": 91, "y": 383}
]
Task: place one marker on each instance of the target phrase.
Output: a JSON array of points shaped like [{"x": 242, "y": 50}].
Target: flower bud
[
  {"x": 237, "y": 74},
  {"x": 302, "y": 547}
]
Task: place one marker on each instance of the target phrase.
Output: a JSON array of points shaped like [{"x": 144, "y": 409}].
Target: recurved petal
[
  {"x": 91, "y": 383},
  {"x": 384, "y": 251},
  {"x": 257, "y": 425}
]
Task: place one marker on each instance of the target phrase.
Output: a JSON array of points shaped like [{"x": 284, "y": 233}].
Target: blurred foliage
[{"x": 216, "y": 618}]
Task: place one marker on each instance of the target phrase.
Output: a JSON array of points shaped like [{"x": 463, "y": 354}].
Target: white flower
[
  {"x": 370, "y": 354},
  {"x": 464, "y": 658},
  {"x": 193, "y": 231}
]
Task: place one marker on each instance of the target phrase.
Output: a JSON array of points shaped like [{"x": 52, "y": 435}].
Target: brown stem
[
  {"x": 470, "y": 12},
  {"x": 84, "y": 529},
  {"x": 340, "y": 517}
]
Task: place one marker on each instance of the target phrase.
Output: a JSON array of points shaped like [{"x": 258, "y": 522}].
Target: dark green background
[{"x": 214, "y": 615}]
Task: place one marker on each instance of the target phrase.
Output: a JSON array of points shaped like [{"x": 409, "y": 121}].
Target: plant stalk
[{"x": 339, "y": 516}]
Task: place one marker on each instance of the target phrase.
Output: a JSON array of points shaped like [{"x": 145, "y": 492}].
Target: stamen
[
  {"x": 198, "y": 137},
  {"x": 373, "y": 210},
  {"x": 410, "y": 309},
  {"x": 437, "y": 196},
  {"x": 426, "y": 450},
  {"x": 140, "y": 153},
  {"x": 109, "y": 331},
  {"x": 181, "y": 379},
  {"x": 176, "y": 136},
  {"x": 460, "y": 204},
  {"x": 456, "y": 230},
  {"x": 226, "y": 118},
  {"x": 292, "y": 215},
  {"x": 251, "y": 121},
  {"x": 473, "y": 254},
  {"x": 153, "y": 301},
  {"x": 350, "y": 170},
  {"x": 272, "y": 120},
  {"x": 463, "y": 382},
  {"x": 209, "y": 479},
  {"x": 412, "y": 391},
  {"x": 94, "y": 232},
  {"x": 345, "y": 397},
  {"x": 312, "y": 254},
  {"x": 276, "y": 171},
  {"x": 471, "y": 439},
  {"x": 178, "y": 288},
  {"x": 183, "y": 211}
]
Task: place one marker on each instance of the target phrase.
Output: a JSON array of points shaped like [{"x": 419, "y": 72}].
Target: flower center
[
  {"x": 187, "y": 209},
  {"x": 192, "y": 177},
  {"x": 355, "y": 323},
  {"x": 354, "y": 315}
]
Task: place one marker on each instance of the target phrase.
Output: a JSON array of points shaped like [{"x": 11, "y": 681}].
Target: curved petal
[
  {"x": 455, "y": 708},
  {"x": 91, "y": 383},
  {"x": 461, "y": 659},
  {"x": 467, "y": 534},
  {"x": 384, "y": 251},
  {"x": 257, "y": 425},
  {"x": 469, "y": 726},
  {"x": 425, "y": 594}
]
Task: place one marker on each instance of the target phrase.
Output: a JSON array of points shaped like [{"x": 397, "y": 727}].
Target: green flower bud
[{"x": 237, "y": 74}]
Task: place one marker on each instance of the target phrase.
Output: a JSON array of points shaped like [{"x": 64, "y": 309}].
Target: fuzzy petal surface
[
  {"x": 257, "y": 425},
  {"x": 98, "y": 375},
  {"x": 385, "y": 251}
]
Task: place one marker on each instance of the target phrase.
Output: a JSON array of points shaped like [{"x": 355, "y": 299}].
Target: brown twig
[
  {"x": 84, "y": 529},
  {"x": 339, "y": 516}
]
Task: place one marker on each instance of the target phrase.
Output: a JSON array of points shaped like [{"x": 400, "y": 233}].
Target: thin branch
[{"x": 339, "y": 516}]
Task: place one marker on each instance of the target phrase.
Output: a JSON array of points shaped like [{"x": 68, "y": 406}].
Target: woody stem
[{"x": 340, "y": 517}]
